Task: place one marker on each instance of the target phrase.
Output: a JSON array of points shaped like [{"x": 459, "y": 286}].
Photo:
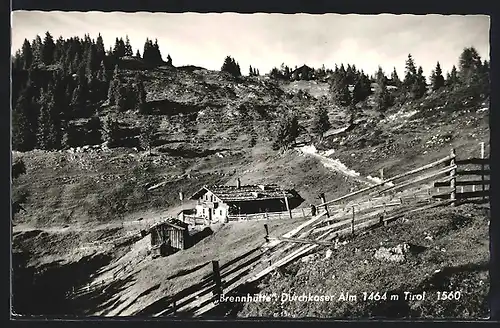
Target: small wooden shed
[{"x": 169, "y": 236}]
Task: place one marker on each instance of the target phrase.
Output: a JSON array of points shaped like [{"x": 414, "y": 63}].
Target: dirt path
[
  {"x": 130, "y": 223},
  {"x": 336, "y": 165}
]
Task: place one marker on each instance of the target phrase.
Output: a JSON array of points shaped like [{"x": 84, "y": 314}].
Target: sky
[{"x": 267, "y": 40}]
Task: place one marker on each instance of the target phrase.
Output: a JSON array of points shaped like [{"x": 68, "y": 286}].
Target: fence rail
[
  {"x": 295, "y": 213},
  {"x": 432, "y": 185}
]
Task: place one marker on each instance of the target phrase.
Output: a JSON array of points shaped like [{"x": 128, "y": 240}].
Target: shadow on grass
[
  {"x": 144, "y": 293},
  {"x": 188, "y": 271},
  {"x": 189, "y": 153},
  {"x": 44, "y": 290},
  {"x": 103, "y": 298},
  {"x": 440, "y": 280},
  {"x": 200, "y": 235}
]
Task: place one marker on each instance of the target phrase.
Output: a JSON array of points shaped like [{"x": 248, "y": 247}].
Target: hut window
[{"x": 220, "y": 212}]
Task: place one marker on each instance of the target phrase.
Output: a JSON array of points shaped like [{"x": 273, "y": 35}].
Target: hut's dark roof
[
  {"x": 246, "y": 193},
  {"x": 176, "y": 223}
]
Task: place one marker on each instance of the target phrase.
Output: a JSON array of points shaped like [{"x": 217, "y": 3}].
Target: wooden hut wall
[
  {"x": 155, "y": 236},
  {"x": 176, "y": 237}
]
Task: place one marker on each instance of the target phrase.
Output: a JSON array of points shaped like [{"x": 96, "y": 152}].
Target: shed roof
[
  {"x": 246, "y": 193},
  {"x": 176, "y": 223}
]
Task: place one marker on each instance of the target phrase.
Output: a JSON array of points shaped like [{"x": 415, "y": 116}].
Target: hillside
[
  {"x": 93, "y": 193},
  {"x": 448, "y": 251}
]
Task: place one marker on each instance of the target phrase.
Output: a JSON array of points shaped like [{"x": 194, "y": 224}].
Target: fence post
[
  {"x": 453, "y": 175},
  {"x": 217, "y": 280},
  {"x": 267, "y": 233},
  {"x": 482, "y": 171},
  {"x": 174, "y": 307},
  {"x": 323, "y": 200},
  {"x": 382, "y": 174},
  {"x": 287, "y": 205},
  {"x": 352, "y": 222},
  {"x": 303, "y": 213},
  {"x": 384, "y": 214}
]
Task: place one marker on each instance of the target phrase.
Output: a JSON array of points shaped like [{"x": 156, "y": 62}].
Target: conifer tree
[
  {"x": 452, "y": 79},
  {"x": 362, "y": 89},
  {"x": 114, "y": 85},
  {"x": 286, "y": 132},
  {"x": 130, "y": 96},
  {"x": 275, "y": 73},
  {"x": 410, "y": 72},
  {"x": 419, "y": 87},
  {"x": 169, "y": 60},
  {"x": 119, "y": 48},
  {"x": 148, "y": 133},
  {"x": 138, "y": 54},
  {"x": 92, "y": 63},
  {"x": 437, "y": 79},
  {"x": 101, "y": 73},
  {"x": 128, "y": 47},
  {"x": 141, "y": 95},
  {"x": 382, "y": 96},
  {"x": 469, "y": 64},
  {"x": 321, "y": 122},
  {"x": 48, "y": 49},
  {"x": 111, "y": 131},
  {"x": 27, "y": 54},
  {"x": 99, "y": 47},
  {"x": 16, "y": 61},
  {"x": 36, "y": 46},
  {"x": 46, "y": 137},
  {"x": 146, "y": 53},
  {"x": 81, "y": 92},
  {"x": 350, "y": 76},
  {"x": 23, "y": 129},
  {"x": 157, "y": 60},
  {"x": 78, "y": 100},
  {"x": 380, "y": 76},
  {"x": 395, "y": 78},
  {"x": 231, "y": 66},
  {"x": 121, "y": 99},
  {"x": 340, "y": 90},
  {"x": 59, "y": 50}
]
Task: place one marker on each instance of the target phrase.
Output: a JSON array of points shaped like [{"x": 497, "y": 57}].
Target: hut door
[{"x": 209, "y": 215}]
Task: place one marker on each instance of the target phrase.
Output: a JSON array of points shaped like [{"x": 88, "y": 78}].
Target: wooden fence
[
  {"x": 393, "y": 198},
  {"x": 295, "y": 213},
  {"x": 118, "y": 272},
  {"x": 344, "y": 217},
  {"x": 206, "y": 293},
  {"x": 471, "y": 179}
]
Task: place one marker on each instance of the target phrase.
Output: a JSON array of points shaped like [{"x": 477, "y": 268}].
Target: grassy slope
[
  {"x": 459, "y": 250},
  {"x": 61, "y": 189},
  {"x": 228, "y": 242}
]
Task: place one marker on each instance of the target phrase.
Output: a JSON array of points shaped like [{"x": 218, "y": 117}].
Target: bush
[
  {"x": 18, "y": 168},
  {"x": 286, "y": 133}
]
